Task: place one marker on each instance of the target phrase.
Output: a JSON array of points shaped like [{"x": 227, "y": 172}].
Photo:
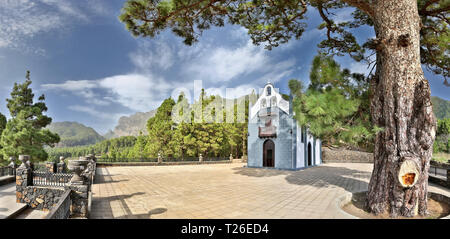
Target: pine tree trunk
[{"x": 401, "y": 104}]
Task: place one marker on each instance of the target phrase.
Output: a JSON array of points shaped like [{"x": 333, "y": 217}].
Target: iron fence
[
  {"x": 112, "y": 160},
  {"x": 6, "y": 171},
  {"x": 39, "y": 167},
  {"x": 213, "y": 159},
  {"x": 165, "y": 159},
  {"x": 51, "y": 179},
  {"x": 185, "y": 159},
  {"x": 62, "y": 209}
]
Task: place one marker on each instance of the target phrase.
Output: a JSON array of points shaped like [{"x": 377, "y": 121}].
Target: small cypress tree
[{"x": 25, "y": 132}]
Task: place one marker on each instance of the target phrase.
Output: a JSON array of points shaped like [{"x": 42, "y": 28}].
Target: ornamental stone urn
[
  {"x": 12, "y": 159},
  {"x": 200, "y": 158},
  {"x": 159, "y": 158},
  {"x": 90, "y": 157},
  {"x": 24, "y": 159},
  {"x": 84, "y": 162},
  {"x": 77, "y": 166},
  {"x": 231, "y": 157},
  {"x": 12, "y": 165},
  {"x": 61, "y": 166}
]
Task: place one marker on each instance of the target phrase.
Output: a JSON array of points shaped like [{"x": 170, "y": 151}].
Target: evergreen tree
[
  {"x": 182, "y": 139},
  {"x": 160, "y": 128},
  {"x": 442, "y": 143},
  {"x": 335, "y": 106},
  {"x": 138, "y": 150},
  {"x": 25, "y": 132},
  {"x": 2, "y": 123}
]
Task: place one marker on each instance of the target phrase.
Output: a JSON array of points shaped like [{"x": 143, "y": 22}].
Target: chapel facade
[{"x": 275, "y": 140}]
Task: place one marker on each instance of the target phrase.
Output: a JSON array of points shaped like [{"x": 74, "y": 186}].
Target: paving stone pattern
[{"x": 226, "y": 191}]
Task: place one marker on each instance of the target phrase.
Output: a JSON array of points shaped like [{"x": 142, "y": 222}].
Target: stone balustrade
[{"x": 46, "y": 197}]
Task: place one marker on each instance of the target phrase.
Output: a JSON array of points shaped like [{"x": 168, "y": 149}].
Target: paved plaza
[{"x": 226, "y": 191}]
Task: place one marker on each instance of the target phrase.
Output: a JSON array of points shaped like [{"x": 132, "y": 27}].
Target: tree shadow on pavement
[
  {"x": 101, "y": 207},
  {"x": 320, "y": 176},
  {"x": 148, "y": 215},
  {"x": 260, "y": 172}
]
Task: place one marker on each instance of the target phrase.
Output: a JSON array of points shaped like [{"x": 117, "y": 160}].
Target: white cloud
[
  {"x": 91, "y": 111},
  {"x": 21, "y": 20},
  {"x": 224, "y": 64},
  {"x": 72, "y": 85},
  {"x": 279, "y": 71},
  {"x": 100, "y": 7},
  {"x": 66, "y": 8},
  {"x": 359, "y": 67},
  {"x": 147, "y": 58},
  {"x": 84, "y": 88},
  {"x": 241, "y": 33},
  {"x": 343, "y": 15},
  {"x": 135, "y": 91}
]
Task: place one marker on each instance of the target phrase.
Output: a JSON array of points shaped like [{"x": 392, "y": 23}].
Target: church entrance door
[{"x": 268, "y": 153}]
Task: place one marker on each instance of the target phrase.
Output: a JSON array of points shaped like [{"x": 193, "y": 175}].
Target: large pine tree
[
  {"x": 25, "y": 132},
  {"x": 409, "y": 33}
]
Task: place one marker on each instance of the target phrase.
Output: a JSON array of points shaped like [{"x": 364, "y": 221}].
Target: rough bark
[{"x": 401, "y": 104}]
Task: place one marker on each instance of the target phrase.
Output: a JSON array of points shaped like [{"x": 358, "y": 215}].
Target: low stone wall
[
  {"x": 119, "y": 164},
  {"x": 80, "y": 200},
  {"x": 438, "y": 180},
  {"x": 341, "y": 155},
  {"x": 439, "y": 164},
  {"x": 40, "y": 198},
  {"x": 7, "y": 180}
]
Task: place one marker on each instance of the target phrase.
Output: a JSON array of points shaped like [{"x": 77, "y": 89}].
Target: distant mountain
[
  {"x": 74, "y": 134},
  {"x": 131, "y": 125},
  {"x": 441, "y": 107}
]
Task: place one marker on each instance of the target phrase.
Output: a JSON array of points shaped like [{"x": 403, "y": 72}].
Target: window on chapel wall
[
  {"x": 273, "y": 101},
  {"x": 302, "y": 135},
  {"x": 263, "y": 103},
  {"x": 269, "y": 90}
]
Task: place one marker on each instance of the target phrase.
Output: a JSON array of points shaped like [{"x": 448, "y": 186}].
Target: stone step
[
  {"x": 14, "y": 211},
  {"x": 8, "y": 206},
  {"x": 30, "y": 213},
  {"x": 5, "y": 180}
]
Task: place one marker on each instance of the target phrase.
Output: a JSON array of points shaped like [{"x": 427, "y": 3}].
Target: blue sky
[{"x": 93, "y": 71}]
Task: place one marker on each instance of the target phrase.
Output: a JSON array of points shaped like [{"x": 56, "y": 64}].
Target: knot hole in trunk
[
  {"x": 409, "y": 173},
  {"x": 403, "y": 40}
]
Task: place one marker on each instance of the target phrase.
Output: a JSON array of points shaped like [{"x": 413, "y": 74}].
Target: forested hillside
[
  {"x": 441, "y": 107},
  {"x": 109, "y": 147},
  {"x": 74, "y": 134}
]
